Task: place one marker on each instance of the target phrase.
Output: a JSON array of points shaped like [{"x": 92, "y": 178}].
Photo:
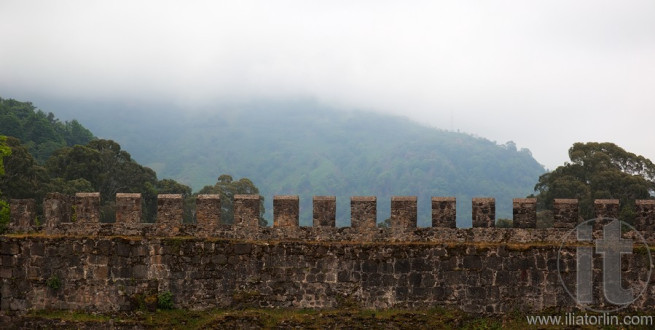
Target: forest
[
  {"x": 299, "y": 149},
  {"x": 304, "y": 148}
]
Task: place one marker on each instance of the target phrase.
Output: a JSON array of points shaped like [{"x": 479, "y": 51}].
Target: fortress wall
[
  {"x": 113, "y": 266},
  {"x": 325, "y": 211},
  {"x": 81, "y": 214},
  {"x": 116, "y": 273}
]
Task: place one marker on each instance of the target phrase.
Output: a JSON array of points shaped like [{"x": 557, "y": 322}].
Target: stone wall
[
  {"x": 208, "y": 210},
  {"x": 363, "y": 211},
  {"x": 325, "y": 211},
  {"x": 22, "y": 212},
  {"x": 111, "y": 266},
  {"x": 444, "y": 212},
  {"x": 525, "y": 212},
  {"x": 565, "y": 213},
  {"x": 128, "y": 208},
  {"x": 484, "y": 212},
  {"x": 645, "y": 215},
  {"x": 80, "y": 215},
  {"x": 286, "y": 211},
  {"x": 403, "y": 211},
  {"x": 116, "y": 273}
]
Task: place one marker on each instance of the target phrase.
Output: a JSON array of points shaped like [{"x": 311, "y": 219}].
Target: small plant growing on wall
[
  {"x": 73, "y": 213},
  {"x": 53, "y": 282},
  {"x": 165, "y": 300}
]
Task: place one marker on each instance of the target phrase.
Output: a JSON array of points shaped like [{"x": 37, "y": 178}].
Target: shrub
[
  {"x": 165, "y": 300},
  {"x": 53, "y": 282}
]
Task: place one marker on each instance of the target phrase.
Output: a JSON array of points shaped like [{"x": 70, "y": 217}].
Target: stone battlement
[
  {"x": 80, "y": 215},
  {"x": 72, "y": 261}
]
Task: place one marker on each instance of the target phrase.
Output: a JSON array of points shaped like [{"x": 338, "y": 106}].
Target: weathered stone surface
[
  {"x": 208, "y": 210},
  {"x": 104, "y": 266},
  {"x": 363, "y": 212},
  {"x": 22, "y": 213},
  {"x": 286, "y": 211},
  {"x": 246, "y": 210},
  {"x": 606, "y": 208},
  {"x": 481, "y": 275},
  {"x": 170, "y": 210},
  {"x": 525, "y": 212},
  {"x": 87, "y": 207},
  {"x": 57, "y": 208},
  {"x": 444, "y": 212},
  {"x": 484, "y": 212},
  {"x": 565, "y": 213},
  {"x": 645, "y": 215},
  {"x": 128, "y": 208},
  {"x": 403, "y": 211},
  {"x": 325, "y": 211}
]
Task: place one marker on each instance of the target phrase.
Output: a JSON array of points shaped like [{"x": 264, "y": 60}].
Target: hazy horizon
[{"x": 544, "y": 74}]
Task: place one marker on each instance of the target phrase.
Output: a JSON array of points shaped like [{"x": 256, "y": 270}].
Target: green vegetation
[
  {"x": 303, "y": 148},
  {"x": 226, "y": 187},
  {"x": 5, "y": 150},
  {"x": 4, "y": 216},
  {"x": 41, "y": 133},
  {"x": 599, "y": 171},
  {"x": 98, "y": 165},
  {"x": 504, "y": 223},
  {"x": 165, "y": 300},
  {"x": 350, "y": 318},
  {"x": 53, "y": 282}
]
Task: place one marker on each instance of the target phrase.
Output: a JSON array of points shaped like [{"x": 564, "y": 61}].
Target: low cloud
[{"x": 542, "y": 73}]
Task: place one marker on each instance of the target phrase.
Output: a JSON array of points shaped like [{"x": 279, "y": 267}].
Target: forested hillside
[
  {"x": 42, "y": 133},
  {"x": 307, "y": 149}
]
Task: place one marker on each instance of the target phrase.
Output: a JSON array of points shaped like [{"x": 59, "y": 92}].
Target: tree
[
  {"x": 41, "y": 133},
  {"x": 23, "y": 177},
  {"x": 5, "y": 150},
  {"x": 599, "y": 171},
  {"x": 108, "y": 170},
  {"x": 226, "y": 187}
]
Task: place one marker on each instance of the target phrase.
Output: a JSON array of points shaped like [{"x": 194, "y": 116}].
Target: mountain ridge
[{"x": 305, "y": 148}]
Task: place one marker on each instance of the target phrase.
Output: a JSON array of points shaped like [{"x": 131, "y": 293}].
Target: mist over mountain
[{"x": 304, "y": 148}]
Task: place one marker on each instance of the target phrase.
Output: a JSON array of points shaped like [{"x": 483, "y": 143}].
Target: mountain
[{"x": 306, "y": 149}]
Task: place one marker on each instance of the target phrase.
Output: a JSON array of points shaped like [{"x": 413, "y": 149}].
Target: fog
[{"x": 544, "y": 74}]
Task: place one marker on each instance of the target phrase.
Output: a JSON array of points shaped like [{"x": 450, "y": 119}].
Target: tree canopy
[
  {"x": 599, "y": 171},
  {"x": 42, "y": 133},
  {"x": 5, "y": 150},
  {"x": 226, "y": 187}
]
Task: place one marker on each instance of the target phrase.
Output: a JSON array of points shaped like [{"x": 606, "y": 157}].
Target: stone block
[
  {"x": 363, "y": 211},
  {"x": 484, "y": 212},
  {"x": 325, "y": 211},
  {"x": 606, "y": 208},
  {"x": 403, "y": 211},
  {"x": 645, "y": 215},
  {"x": 286, "y": 210},
  {"x": 170, "y": 209},
  {"x": 57, "y": 208},
  {"x": 565, "y": 213},
  {"x": 22, "y": 213},
  {"x": 208, "y": 210},
  {"x": 246, "y": 210},
  {"x": 525, "y": 212},
  {"x": 444, "y": 212},
  {"x": 87, "y": 207},
  {"x": 128, "y": 208}
]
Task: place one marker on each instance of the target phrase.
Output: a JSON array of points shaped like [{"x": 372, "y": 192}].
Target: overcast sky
[{"x": 544, "y": 74}]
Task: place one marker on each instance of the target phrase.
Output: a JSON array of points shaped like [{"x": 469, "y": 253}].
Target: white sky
[{"x": 544, "y": 74}]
